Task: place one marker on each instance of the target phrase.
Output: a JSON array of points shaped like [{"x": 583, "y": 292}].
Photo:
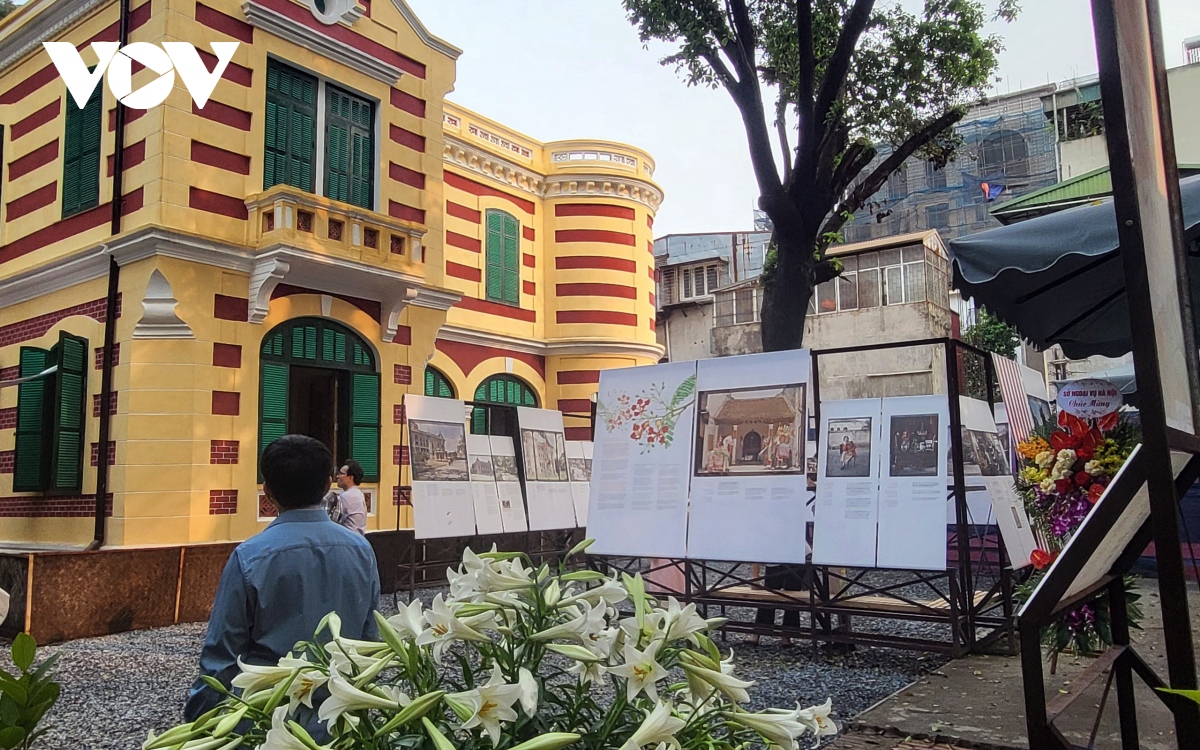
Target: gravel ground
[{"x": 117, "y": 688}]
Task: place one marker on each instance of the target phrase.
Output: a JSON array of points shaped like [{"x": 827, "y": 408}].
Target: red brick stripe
[
  {"x": 495, "y": 308},
  {"x": 130, "y": 116},
  {"x": 112, "y": 453},
  {"x": 650, "y": 247},
  {"x": 454, "y": 239},
  {"x": 8, "y": 418},
  {"x": 402, "y": 374},
  {"x": 226, "y": 402},
  {"x": 651, "y": 298},
  {"x": 594, "y": 261},
  {"x": 31, "y": 202},
  {"x": 529, "y": 287},
  {"x": 35, "y": 120},
  {"x": 69, "y": 227},
  {"x": 32, "y": 328},
  {"x": 594, "y": 209},
  {"x": 113, "y": 401},
  {"x": 651, "y": 272},
  {"x": 231, "y": 308},
  {"x": 222, "y": 502},
  {"x": 407, "y": 102},
  {"x": 578, "y": 433},
  {"x": 39, "y": 157},
  {"x": 649, "y": 221},
  {"x": 403, "y": 336},
  {"x": 605, "y": 317},
  {"x": 234, "y": 73},
  {"x": 227, "y": 355},
  {"x": 470, "y": 356},
  {"x": 7, "y": 462},
  {"x": 407, "y": 138},
  {"x": 528, "y": 233},
  {"x": 462, "y": 212},
  {"x": 596, "y": 290},
  {"x": 215, "y": 203},
  {"x": 224, "y": 114},
  {"x": 100, "y": 356},
  {"x": 653, "y": 324},
  {"x": 595, "y": 235},
  {"x": 39, "y": 506},
  {"x": 578, "y": 377},
  {"x": 223, "y": 451},
  {"x": 575, "y": 405},
  {"x": 408, "y": 213},
  {"x": 529, "y": 260},
  {"x": 459, "y": 271},
  {"x": 215, "y": 19},
  {"x": 475, "y": 188},
  {"x": 135, "y": 154},
  {"x": 341, "y": 33},
  {"x": 12, "y": 373},
  {"x": 407, "y": 176},
  {"x": 202, "y": 153}
]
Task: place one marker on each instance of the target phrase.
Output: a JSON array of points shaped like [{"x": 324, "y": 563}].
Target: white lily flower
[
  {"x": 344, "y": 697},
  {"x": 817, "y": 718},
  {"x": 588, "y": 672},
  {"x": 341, "y": 661},
  {"x": 679, "y": 622},
  {"x": 601, "y": 643},
  {"x": 409, "y": 621},
  {"x": 506, "y": 575},
  {"x": 445, "y": 627},
  {"x": 641, "y": 671},
  {"x": 529, "y": 691},
  {"x": 303, "y": 687},
  {"x": 254, "y": 677},
  {"x": 780, "y": 727},
  {"x": 588, "y": 622},
  {"x": 702, "y": 681},
  {"x": 610, "y": 593},
  {"x": 280, "y": 737},
  {"x": 491, "y": 704},
  {"x": 647, "y": 632},
  {"x": 659, "y": 726}
]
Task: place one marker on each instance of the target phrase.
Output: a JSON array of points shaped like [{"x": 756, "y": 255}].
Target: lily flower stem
[{"x": 619, "y": 704}]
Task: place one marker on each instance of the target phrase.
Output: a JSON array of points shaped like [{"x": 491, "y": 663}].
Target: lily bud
[
  {"x": 583, "y": 575},
  {"x": 302, "y": 734},
  {"x": 552, "y": 594},
  {"x": 548, "y": 741},
  {"x": 580, "y": 547},
  {"x": 578, "y": 653},
  {"x": 413, "y": 711},
  {"x": 464, "y": 711},
  {"x": 227, "y": 724},
  {"x": 439, "y": 740}
]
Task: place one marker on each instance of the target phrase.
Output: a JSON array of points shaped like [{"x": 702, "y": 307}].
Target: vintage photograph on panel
[
  {"x": 751, "y": 431},
  {"x": 580, "y": 469},
  {"x": 984, "y": 454},
  {"x": 1002, "y": 431},
  {"x": 528, "y": 455},
  {"x": 1041, "y": 411},
  {"x": 481, "y": 468},
  {"x": 438, "y": 451},
  {"x": 506, "y": 468},
  {"x": 560, "y": 457},
  {"x": 549, "y": 454},
  {"x": 914, "y": 446},
  {"x": 849, "y": 448}
]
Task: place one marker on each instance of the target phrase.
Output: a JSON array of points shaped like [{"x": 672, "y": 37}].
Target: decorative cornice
[
  {"x": 48, "y": 20},
  {"x": 159, "y": 320},
  {"x": 604, "y": 186},
  {"x": 492, "y": 340},
  {"x": 430, "y": 40},
  {"x": 436, "y": 299},
  {"x": 551, "y": 347},
  {"x": 466, "y": 155},
  {"x": 85, "y": 266},
  {"x": 265, "y": 276},
  {"x": 146, "y": 243},
  {"x": 274, "y": 22}
]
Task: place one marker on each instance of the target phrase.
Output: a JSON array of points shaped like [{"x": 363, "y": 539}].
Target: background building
[{"x": 324, "y": 236}]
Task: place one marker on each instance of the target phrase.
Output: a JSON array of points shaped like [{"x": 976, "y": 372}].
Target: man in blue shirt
[{"x": 278, "y": 585}]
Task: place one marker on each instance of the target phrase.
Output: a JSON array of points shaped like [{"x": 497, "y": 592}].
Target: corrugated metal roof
[{"x": 1075, "y": 191}]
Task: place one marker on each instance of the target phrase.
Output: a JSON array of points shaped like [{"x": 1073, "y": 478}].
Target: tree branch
[
  {"x": 713, "y": 58},
  {"x": 781, "y": 131},
  {"x": 744, "y": 30},
  {"x": 854, "y": 160},
  {"x": 804, "y": 86},
  {"x": 838, "y": 67},
  {"x": 877, "y": 178}
]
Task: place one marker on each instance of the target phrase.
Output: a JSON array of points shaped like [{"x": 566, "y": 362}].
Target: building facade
[{"x": 325, "y": 235}]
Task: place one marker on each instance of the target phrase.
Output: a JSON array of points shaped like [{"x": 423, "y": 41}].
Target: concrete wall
[
  {"x": 1083, "y": 155},
  {"x": 1184, "y": 85},
  {"x": 688, "y": 333}
]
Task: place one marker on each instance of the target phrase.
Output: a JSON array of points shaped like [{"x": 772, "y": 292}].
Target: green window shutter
[
  {"x": 364, "y": 423},
  {"x": 289, "y": 147},
  {"x": 437, "y": 385},
  {"x": 66, "y": 439},
  {"x": 500, "y": 389},
  {"x": 31, "y": 418},
  {"x": 81, "y": 155},
  {"x": 350, "y": 148},
  {"x": 273, "y": 405},
  {"x": 494, "y": 271},
  {"x": 512, "y": 261}
]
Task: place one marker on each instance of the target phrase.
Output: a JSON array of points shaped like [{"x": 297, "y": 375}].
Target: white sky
[{"x": 558, "y": 69}]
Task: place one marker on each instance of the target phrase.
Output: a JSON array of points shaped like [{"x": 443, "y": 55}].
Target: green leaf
[
  {"x": 24, "y": 648},
  {"x": 685, "y": 389},
  {"x": 10, "y": 711},
  {"x": 1192, "y": 695},
  {"x": 11, "y": 737}
]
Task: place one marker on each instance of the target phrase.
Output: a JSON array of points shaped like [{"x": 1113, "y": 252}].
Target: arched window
[
  {"x": 503, "y": 274},
  {"x": 1003, "y": 152},
  {"x": 500, "y": 389},
  {"x": 319, "y": 378},
  {"x": 437, "y": 384}
]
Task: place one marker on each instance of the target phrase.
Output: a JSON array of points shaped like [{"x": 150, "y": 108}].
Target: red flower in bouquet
[
  {"x": 1041, "y": 558},
  {"x": 1063, "y": 486},
  {"x": 1109, "y": 421},
  {"x": 1094, "y": 492},
  {"x": 1082, "y": 478}
]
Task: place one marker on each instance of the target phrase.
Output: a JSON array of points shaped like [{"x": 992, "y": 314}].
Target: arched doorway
[
  {"x": 751, "y": 445},
  {"x": 321, "y": 379},
  {"x": 500, "y": 389}
]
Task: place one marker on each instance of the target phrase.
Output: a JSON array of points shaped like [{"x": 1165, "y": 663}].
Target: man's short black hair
[
  {"x": 297, "y": 469},
  {"x": 354, "y": 470}
]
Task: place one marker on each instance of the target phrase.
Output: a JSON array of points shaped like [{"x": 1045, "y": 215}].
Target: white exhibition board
[
  {"x": 508, "y": 484},
  {"x": 847, "y": 512},
  {"x": 437, "y": 448},
  {"x": 483, "y": 485},
  {"x": 913, "y": 483},
  {"x": 579, "y": 470},
  {"x": 748, "y": 496},
  {"x": 544, "y": 450},
  {"x": 638, "y": 502}
]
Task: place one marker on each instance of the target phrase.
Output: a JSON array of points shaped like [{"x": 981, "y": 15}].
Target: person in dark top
[{"x": 280, "y": 584}]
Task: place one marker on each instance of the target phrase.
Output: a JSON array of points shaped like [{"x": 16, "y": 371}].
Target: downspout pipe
[{"x": 110, "y": 306}]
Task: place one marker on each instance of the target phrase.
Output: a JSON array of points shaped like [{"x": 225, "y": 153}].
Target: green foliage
[
  {"x": 991, "y": 335},
  {"x": 6, "y": 7},
  {"x": 24, "y": 700}
]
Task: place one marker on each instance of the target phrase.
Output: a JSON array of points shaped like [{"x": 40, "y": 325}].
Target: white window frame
[{"x": 696, "y": 277}]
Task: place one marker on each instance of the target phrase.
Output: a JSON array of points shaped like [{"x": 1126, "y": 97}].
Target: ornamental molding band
[
  {"x": 44, "y": 24},
  {"x": 159, "y": 320},
  {"x": 85, "y": 266},
  {"x": 632, "y": 190},
  {"x": 551, "y": 348},
  {"x": 435, "y": 299},
  {"x": 273, "y": 22},
  {"x": 467, "y": 156},
  {"x": 503, "y": 143},
  {"x": 423, "y": 34}
]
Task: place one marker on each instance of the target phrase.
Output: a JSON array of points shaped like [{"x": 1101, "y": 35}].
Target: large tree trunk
[{"x": 787, "y": 290}]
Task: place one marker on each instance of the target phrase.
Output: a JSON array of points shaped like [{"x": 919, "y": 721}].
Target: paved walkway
[{"x": 977, "y": 701}]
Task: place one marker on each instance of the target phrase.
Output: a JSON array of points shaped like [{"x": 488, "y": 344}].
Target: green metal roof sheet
[{"x": 1085, "y": 187}]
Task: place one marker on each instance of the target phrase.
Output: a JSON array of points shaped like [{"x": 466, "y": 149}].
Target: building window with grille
[
  {"x": 503, "y": 260},
  {"x": 937, "y": 216},
  {"x": 321, "y": 379},
  {"x": 897, "y": 183},
  {"x": 81, "y": 154},
  {"x": 935, "y": 176},
  {"x": 886, "y": 277},
  {"x": 339, "y": 162},
  {"x": 437, "y": 385},
  {"x": 500, "y": 389},
  {"x": 1003, "y": 152},
  {"x": 699, "y": 281}
]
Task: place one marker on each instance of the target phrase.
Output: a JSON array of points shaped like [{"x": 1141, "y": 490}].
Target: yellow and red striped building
[{"x": 325, "y": 235}]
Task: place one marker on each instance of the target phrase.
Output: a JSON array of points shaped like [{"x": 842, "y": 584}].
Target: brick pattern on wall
[
  {"x": 401, "y": 496},
  {"x": 397, "y": 414},
  {"x": 7, "y": 459},
  {"x": 403, "y": 375},
  {"x": 10, "y": 373},
  {"x": 36, "y": 506},
  {"x": 223, "y": 452},
  {"x": 32, "y": 328},
  {"x": 112, "y": 403},
  {"x": 112, "y": 453},
  {"x": 100, "y": 355},
  {"x": 399, "y": 455},
  {"x": 8, "y": 418},
  {"x": 222, "y": 502}
]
